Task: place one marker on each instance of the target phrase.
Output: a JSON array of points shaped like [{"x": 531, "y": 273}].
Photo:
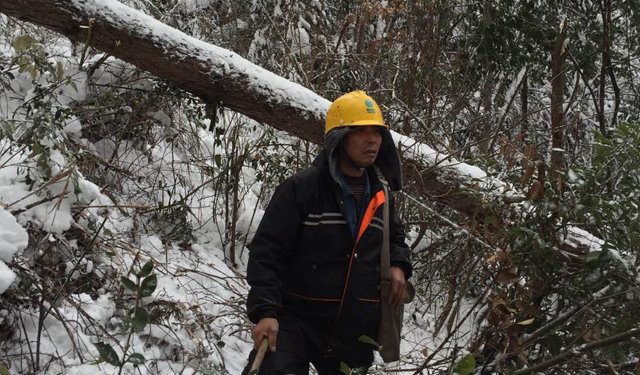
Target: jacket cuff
[
  {"x": 405, "y": 267},
  {"x": 269, "y": 314},
  {"x": 257, "y": 317}
]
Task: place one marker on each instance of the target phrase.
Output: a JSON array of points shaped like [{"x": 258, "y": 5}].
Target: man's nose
[{"x": 374, "y": 137}]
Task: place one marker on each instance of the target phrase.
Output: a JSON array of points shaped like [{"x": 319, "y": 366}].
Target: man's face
[{"x": 363, "y": 144}]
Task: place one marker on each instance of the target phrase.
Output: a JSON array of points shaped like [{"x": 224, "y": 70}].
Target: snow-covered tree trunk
[
  {"x": 219, "y": 77},
  {"x": 214, "y": 74}
]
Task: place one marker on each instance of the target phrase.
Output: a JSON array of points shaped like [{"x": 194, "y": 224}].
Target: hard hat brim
[{"x": 359, "y": 123}]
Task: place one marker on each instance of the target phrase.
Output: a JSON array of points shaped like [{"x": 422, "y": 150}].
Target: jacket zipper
[{"x": 366, "y": 220}]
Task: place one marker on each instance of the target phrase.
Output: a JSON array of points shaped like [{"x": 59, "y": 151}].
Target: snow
[
  {"x": 100, "y": 310},
  {"x": 73, "y": 126},
  {"x": 163, "y": 118},
  {"x": 13, "y": 238},
  {"x": 472, "y": 174},
  {"x": 301, "y": 39},
  {"x": 7, "y": 277},
  {"x": 193, "y": 278},
  {"x": 203, "y": 283},
  {"x": 577, "y": 236}
]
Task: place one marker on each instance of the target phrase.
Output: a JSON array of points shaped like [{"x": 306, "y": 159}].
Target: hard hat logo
[
  {"x": 369, "y": 105},
  {"x": 353, "y": 109}
]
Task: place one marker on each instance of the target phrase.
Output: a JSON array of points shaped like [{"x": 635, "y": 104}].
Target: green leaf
[
  {"x": 218, "y": 160},
  {"x": 36, "y": 150},
  {"x": 4, "y": 370},
  {"x": 593, "y": 256},
  {"x": 24, "y": 63},
  {"x": 369, "y": 340},
  {"x": 22, "y": 43},
  {"x": 140, "y": 319},
  {"x": 137, "y": 359},
  {"x": 490, "y": 220},
  {"x": 59, "y": 72},
  {"x": 146, "y": 269},
  {"x": 466, "y": 365},
  {"x": 33, "y": 72},
  {"x": 107, "y": 354},
  {"x": 345, "y": 369},
  {"x": 129, "y": 284},
  {"x": 148, "y": 286}
]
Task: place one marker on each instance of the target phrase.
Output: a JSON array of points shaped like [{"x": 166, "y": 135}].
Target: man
[{"x": 314, "y": 263}]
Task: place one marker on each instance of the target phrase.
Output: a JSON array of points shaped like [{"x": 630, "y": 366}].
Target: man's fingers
[
  {"x": 257, "y": 337},
  {"x": 267, "y": 328},
  {"x": 396, "y": 295},
  {"x": 273, "y": 336}
]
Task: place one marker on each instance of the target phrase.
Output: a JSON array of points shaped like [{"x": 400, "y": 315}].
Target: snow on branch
[{"x": 215, "y": 74}]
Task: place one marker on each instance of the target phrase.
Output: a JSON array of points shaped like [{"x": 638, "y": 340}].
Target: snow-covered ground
[
  {"x": 95, "y": 228},
  {"x": 198, "y": 322}
]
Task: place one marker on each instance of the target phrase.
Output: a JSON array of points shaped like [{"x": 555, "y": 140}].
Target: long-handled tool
[{"x": 257, "y": 361}]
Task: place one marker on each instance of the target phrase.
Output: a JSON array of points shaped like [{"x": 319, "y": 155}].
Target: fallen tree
[{"x": 221, "y": 77}]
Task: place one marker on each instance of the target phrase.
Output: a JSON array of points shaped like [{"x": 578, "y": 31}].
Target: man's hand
[
  {"x": 398, "y": 284},
  {"x": 267, "y": 327}
]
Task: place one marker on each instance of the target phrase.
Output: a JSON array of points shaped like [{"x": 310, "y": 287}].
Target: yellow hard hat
[{"x": 353, "y": 109}]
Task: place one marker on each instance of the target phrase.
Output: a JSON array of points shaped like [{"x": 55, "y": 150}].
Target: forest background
[{"x": 127, "y": 201}]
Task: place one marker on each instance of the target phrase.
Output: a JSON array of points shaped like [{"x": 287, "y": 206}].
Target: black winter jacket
[{"x": 304, "y": 260}]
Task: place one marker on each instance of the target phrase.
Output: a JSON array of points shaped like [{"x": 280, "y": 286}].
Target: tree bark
[
  {"x": 525, "y": 105},
  {"x": 487, "y": 117},
  {"x": 607, "y": 37},
  {"x": 557, "y": 100},
  {"x": 217, "y": 75}
]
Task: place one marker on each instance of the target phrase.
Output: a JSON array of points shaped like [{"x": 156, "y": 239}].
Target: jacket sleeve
[
  {"x": 400, "y": 253},
  {"x": 269, "y": 253}
]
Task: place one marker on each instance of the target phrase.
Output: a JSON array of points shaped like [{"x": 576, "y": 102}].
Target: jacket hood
[{"x": 387, "y": 160}]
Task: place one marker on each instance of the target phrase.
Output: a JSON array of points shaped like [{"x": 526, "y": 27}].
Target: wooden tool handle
[{"x": 257, "y": 361}]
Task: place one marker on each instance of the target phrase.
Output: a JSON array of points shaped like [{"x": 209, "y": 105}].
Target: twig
[
  {"x": 24, "y": 329},
  {"x": 134, "y": 206},
  {"x": 57, "y": 178},
  {"x": 426, "y": 361},
  {"x": 41, "y": 201},
  {"x": 568, "y": 354},
  {"x": 89, "y": 38},
  {"x": 449, "y": 222},
  {"x": 506, "y": 110},
  {"x": 560, "y": 320}
]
